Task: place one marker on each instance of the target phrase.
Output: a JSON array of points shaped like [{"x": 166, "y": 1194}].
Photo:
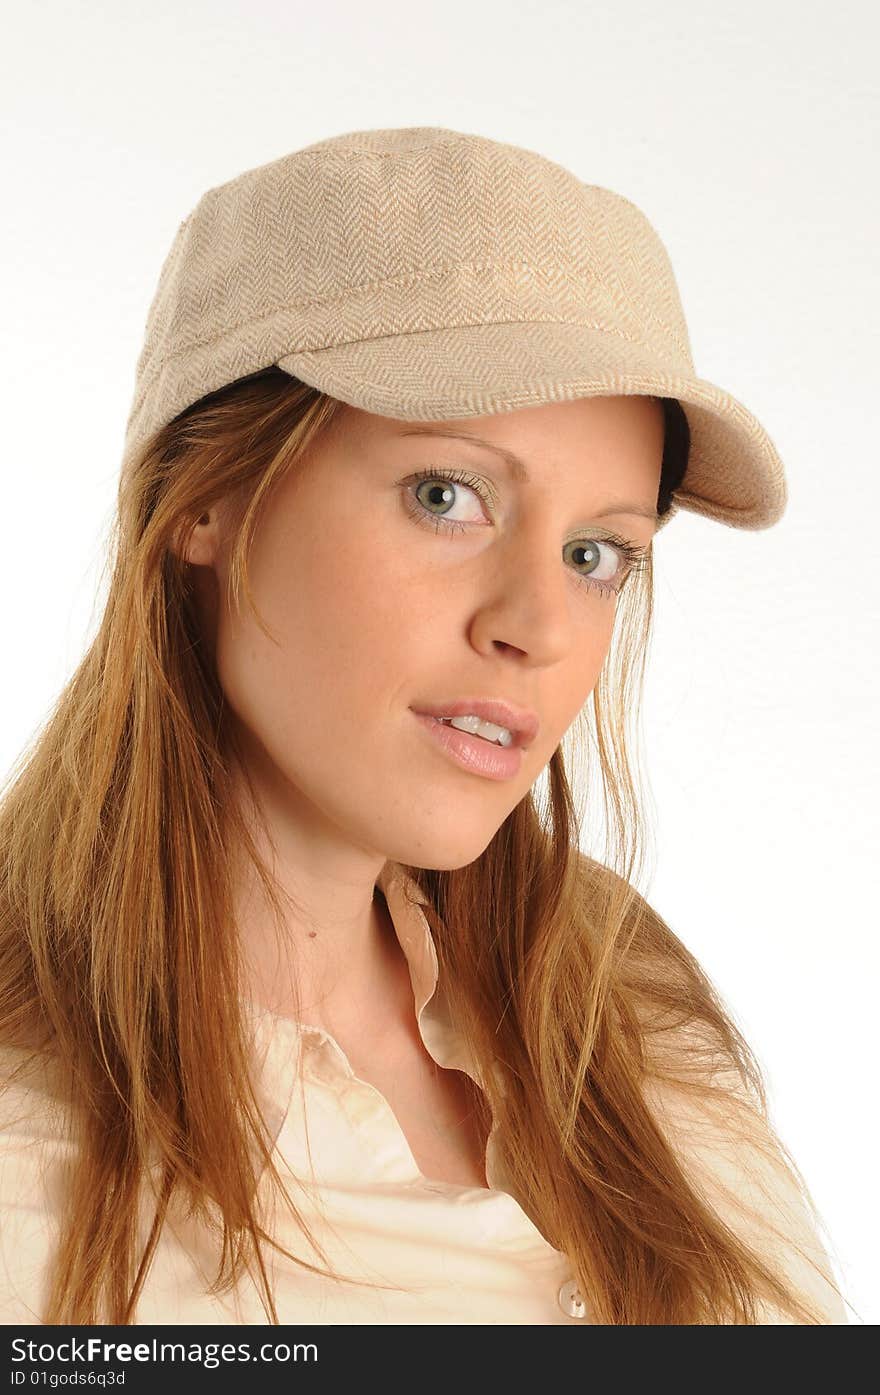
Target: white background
[{"x": 749, "y": 137}]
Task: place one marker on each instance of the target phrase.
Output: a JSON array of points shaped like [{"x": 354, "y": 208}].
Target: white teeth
[{"x": 477, "y": 727}]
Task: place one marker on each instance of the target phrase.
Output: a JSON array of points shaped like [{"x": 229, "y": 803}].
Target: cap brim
[{"x": 734, "y": 472}]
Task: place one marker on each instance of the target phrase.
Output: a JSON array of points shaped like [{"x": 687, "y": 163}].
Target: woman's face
[{"x": 381, "y": 607}]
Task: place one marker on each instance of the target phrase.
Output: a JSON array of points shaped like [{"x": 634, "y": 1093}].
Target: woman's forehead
[{"x": 618, "y": 423}]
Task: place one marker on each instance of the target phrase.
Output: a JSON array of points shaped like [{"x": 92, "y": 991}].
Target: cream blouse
[{"x": 450, "y": 1254}]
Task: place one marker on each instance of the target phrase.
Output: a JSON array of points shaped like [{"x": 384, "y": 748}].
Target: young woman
[{"x": 312, "y": 1009}]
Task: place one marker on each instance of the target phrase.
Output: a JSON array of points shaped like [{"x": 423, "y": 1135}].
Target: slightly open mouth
[{"x": 492, "y": 740}]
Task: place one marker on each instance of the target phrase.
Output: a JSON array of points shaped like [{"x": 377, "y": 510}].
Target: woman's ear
[
  {"x": 201, "y": 551},
  {"x": 200, "y": 547}
]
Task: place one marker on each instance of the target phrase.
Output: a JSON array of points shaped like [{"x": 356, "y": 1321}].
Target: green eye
[{"x": 583, "y": 551}]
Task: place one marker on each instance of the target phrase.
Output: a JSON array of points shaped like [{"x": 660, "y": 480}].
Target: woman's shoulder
[
  {"x": 30, "y": 1087},
  {"x": 706, "y": 1092},
  {"x": 733, "y": 1155},
  {"x": 35, "y": 1146},
  {"x": 34, "y": 1118}
]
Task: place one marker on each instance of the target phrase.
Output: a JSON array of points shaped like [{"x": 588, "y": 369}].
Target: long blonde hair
[{"x": 119, "y": 960}]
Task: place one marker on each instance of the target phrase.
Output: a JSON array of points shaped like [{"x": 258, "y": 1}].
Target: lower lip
[{"x": 474, "y": 753}]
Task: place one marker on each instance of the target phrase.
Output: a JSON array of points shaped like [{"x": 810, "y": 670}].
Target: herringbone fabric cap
[{"x": 426, "y": 274}]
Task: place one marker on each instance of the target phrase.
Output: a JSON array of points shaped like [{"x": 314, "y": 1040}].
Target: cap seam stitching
[
  {"x": 423, "y": 273},
  {"x": 155, "y": 370}
]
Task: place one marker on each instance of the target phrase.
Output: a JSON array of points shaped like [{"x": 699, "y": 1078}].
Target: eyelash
[{"x": 634, "y": 558}]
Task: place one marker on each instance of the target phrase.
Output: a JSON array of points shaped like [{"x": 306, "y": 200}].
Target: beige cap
[{"x": 424, "y": 274}]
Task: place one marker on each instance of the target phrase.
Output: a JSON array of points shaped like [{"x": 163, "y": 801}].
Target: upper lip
[{"x": 519, "y": 721}]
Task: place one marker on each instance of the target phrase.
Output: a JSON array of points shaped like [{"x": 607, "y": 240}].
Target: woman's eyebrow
[{"x": 519, "y": 470}]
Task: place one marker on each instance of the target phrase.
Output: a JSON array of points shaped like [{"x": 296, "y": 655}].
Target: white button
[{"x": 570, "y": 1300}]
